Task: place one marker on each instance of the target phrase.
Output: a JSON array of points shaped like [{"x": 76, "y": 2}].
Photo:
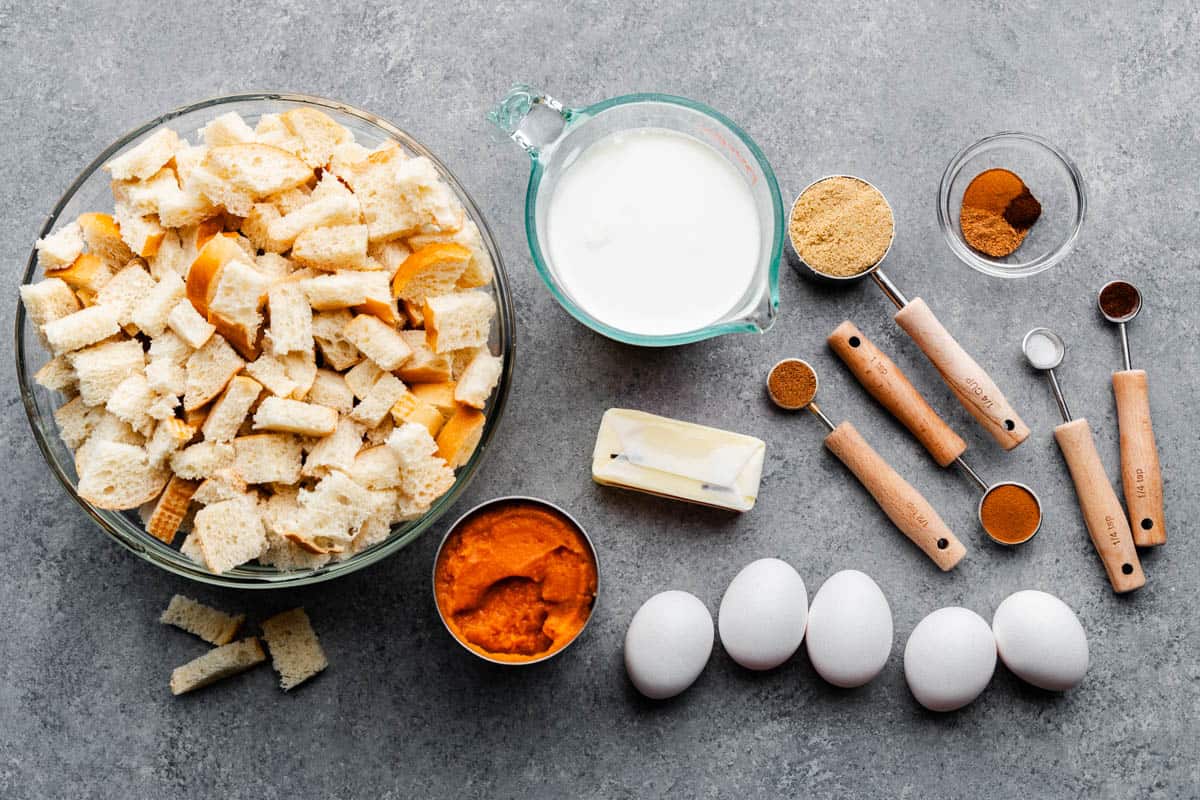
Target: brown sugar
[
  {"x": 997, "y": 212},
  {"x": 792, "y": 384},
  {"x": 841, "y": 226}
]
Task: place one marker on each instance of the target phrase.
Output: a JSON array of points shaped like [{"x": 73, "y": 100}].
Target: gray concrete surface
[{"x": 888, "y": 92}]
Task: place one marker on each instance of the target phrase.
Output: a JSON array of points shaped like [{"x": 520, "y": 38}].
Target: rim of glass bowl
[
  {"x": 575, "y": 115},
  {"x": 133, "y": 537},
  {"x": 995, "y": 267}
]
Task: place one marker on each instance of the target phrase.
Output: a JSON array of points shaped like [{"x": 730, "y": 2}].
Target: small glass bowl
[
  {"x": 1053, "y": 179},
  {"x": 91, "y": 192}
]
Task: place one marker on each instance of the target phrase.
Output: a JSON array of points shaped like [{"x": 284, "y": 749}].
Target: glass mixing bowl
[
  {"x": 1051, "y": 177},
  {"x": 90, "y": 192}
]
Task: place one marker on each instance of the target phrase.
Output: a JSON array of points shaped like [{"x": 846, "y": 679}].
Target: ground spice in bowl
[
  {"x": 1010, "y": 513},
  {"x": 997, "y": 212},
  {"x": 841, "y": 226}
]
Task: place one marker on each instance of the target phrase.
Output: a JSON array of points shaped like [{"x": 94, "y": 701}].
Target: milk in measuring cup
[{"x": 653, "y": 232}]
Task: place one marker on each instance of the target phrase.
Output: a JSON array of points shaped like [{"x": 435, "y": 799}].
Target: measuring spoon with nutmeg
[
  {"x": 1009, "y": 512},
  {"x": 970, "y": 383},
  {"x": 1141, "y": 476},
  {"x": 904, "y": 505},
  {"x": 1102, "y": 513}
]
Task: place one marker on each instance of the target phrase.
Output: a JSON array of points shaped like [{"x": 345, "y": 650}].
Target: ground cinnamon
[
  {"x": 792, "y": 383},
  {"x": 1010, "y": 513},
  {"x": 997, "y": 212}
]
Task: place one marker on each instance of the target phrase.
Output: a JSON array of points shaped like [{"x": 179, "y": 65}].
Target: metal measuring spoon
[
  {"x": 1141, "y": 475},
  {"x": 904, "y": 505},
  {"x": 888, "y": 384},
  {"x": 970, "y": 383},
  {"x": 1102, "y": 512}
]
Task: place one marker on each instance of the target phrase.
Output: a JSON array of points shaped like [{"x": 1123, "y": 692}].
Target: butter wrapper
[{"x": 681, "y": 460}]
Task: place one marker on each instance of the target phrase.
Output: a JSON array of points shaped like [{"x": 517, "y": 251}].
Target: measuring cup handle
[
  {"x": 970, "y": 383},
  {"x": 512, "y": 115},
  {"x": 1141, "y": 476},
  {"x": 885, "y": 381},
  {"x": 904, "y": 505},
  {"x": 1102, "y": 512}
]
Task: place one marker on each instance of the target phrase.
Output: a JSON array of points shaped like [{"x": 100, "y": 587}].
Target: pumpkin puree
[{"x": 516, "y": 581}]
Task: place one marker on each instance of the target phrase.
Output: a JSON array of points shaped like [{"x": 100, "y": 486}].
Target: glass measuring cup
[{"x": 554, "y": 136}]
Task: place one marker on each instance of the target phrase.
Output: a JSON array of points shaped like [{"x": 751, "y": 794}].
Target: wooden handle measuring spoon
[
  {"x": 792, "y": 385},
  {"x": 1141, "y": 475}
]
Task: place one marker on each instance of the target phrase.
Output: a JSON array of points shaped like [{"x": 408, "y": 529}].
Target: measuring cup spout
[{"x": 531, "y": 118}]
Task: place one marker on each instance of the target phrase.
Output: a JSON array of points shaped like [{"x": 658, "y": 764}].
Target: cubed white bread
[
  {"x": 302, "y": 369},
  {"x": 130, "y": 402},
  {"x": 57, "y": 375},
  {"x": 412, "y": 445},
  {"x": 101, "y": 368},
  {"x": 378, "y": 341},
  {"x": 460, "y": 359},
  {"x": 268, "y": 458},
  {"x": 477, "y": 381},
  {"x": 424, "y": 366},
  {"x": 439, "y": 395},
  {"x": 411, "y": 408},
  {"x": 81, "y": 328},
  {"x": 104, "y": 242},
  {"x": 203, "y": 180},
  {"x": 425, "y": 476},
  {"x": 332, "y": 512},
  {"x": 189, "y": 326},
  {"x": 332, "y": 209},
  {"x": 231, "y": 409},
  {"x": 127, "y": 290},
  {"x": 296, "y": 653},
  {"x": 455, "y": 321},
  {"x": 293, "y": 416},
  {"x": 390, "y": 254},
  {"x": 229, "y": 128},
  {"x": 119, "y": 476},
  {"x": 76, "y": 420},
  {"x": 256, "y": 169},
  {"x": 146, "y": 157},
  {"x": 361, "y": 377},
  {"x": 374, "y": 182},
  {"x": 190, "y": 547},
  {"x": 170, "y": 347},
  {"x": 143, "y": 234},
  {"x": 202, "y": 460},
  {"x": 170, "y": 509},
  {"x": 345, "y": 289},
  {"x": 231, "y": 533},
  {"x": 318, "y": 133},
  {"x": 170, "y": 435},
  {"x": 209, "y": 371},
  {"x": 61, "y": 248},
  {"x": 280, "y": 516},
  {"x": 166, "y": 377},
  {"x": 177, "y": 205},
  {"x": 142, "y": 197},
  {"x": 257, "y": 228},
  {"x": 429, "y": 198},
  {"x": 433, "y": 269},
  {"x": 330, "y": 389},
  {"x": 289, "y": 200},
  {"x": 187, "y": 158},
  {"x": 48, "y": 300},
  {"x": 345, "y": 154},
  {"x": 150, "y": 315},
  {"x": 335, "y": 451},
  {"x": 380, "y": 433},
  {"x": 331, "y": 248},
  {"x": 383, "y": 394},
  {"x": 270, "y": 372},
  {"x": 163, "y": 406},
  {"x": 213, "y": 626},
  {"x": 479, "y": 271},
  {"x": 224, "y": 484},
  {"x": 235, "y": 305},
  {"x": 330, "y": 186},
  {"x": 271, "y": 130},
  {"x": 337, "y": 353},
  {"x": 291, "y": 319},
  {"x": 377, "y": 467},
  {"x": 87, "y": 274},
  {"x": 378, "y": 524},
  {"x": 172, "y": 257},
  {"x": 274, "y": 267},
  {"x": 107, "y": 428},
  {"x": 216, "y": 665},
  {"x": 460, "y": 436}
]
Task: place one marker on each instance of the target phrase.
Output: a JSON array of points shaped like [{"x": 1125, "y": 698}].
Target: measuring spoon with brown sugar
[
  {"x": 792, "y": 385},
  {"x": 1141, "y": 475},
  {"x": 1102, "y": 513},
  {"x": 970, "y": 383},
  {"x": 1009, "y": 512}
]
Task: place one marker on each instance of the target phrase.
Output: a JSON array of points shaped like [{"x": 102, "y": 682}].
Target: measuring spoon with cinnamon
[
  {"x": 792, "y": 385},
  {"x": 1141, "y": 475}
]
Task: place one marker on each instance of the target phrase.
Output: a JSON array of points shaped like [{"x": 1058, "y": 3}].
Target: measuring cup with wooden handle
[
  {"x": 904, "y": 505},
  {"x": 1102, "y": 512}
]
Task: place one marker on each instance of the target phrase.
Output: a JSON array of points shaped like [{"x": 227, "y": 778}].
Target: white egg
[
  {"x": 668, "y": 643},
  {"x": 1040, "y": 640},
  {"x": 849, "y": 634},
  {"x": 949, "y": 658},
  {"x": 763, "y": 614}
]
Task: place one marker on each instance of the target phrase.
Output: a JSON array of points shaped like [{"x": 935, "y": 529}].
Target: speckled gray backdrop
[{"x": 887, "y": 92}]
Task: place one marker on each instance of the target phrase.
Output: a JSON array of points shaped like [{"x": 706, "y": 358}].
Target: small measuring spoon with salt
[
  {"x": 792, "y": 385},
  {"x": 1141, "y": 475},
  {"x": 1102, "y": 513}
]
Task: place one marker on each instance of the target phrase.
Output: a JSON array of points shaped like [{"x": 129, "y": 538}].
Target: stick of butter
[{"x": 682, "y": 460}]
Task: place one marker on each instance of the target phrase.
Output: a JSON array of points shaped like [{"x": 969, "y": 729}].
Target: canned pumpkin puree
[{"x": 515, "y": 580}]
